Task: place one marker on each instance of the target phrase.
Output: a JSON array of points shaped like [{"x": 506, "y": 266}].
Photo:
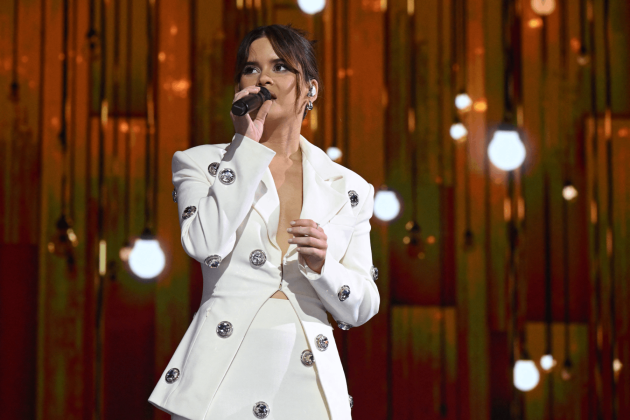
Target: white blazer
[{"x": 228, "y": 208}]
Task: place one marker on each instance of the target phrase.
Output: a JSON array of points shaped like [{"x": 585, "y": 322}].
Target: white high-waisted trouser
[{"x": 268, "y": 368}]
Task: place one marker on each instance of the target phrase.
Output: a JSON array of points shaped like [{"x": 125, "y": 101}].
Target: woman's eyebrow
[{"x": 271, "y": 61}]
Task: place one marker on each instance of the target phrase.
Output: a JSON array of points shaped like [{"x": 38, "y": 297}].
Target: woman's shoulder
[{"x": 354, "y": 182}]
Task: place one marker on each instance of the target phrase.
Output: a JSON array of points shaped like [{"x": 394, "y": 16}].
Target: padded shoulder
[{"x": 354, "y": 181}]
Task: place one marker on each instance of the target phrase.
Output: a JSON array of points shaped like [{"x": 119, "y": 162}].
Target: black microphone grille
[{"x": 265, "y": 93}]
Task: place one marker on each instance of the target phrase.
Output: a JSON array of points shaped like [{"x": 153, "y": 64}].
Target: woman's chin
[{"x": 271, "y": 118}]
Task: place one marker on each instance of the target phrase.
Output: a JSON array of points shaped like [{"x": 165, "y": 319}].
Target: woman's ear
[{"x": 313, "y": 89}]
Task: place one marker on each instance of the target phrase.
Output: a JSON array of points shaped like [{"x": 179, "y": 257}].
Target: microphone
[{"x": 251, "y": 102}]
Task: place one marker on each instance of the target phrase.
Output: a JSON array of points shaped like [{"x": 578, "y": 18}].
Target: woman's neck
[{"x": 283, "y": 139}]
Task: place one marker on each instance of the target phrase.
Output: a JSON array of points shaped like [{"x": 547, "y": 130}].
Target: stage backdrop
[{"x": 480, "y": 269}]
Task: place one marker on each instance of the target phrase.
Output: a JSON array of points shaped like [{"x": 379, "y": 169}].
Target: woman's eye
[{"x": 278, "y": 67}]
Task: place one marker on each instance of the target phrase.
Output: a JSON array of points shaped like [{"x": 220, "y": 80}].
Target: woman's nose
[{"x": 264, "y": 79}]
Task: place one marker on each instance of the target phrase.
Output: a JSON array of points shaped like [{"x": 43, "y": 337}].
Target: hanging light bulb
[
  {"x": 569, "y": 192},
  {"x": 415, "y": 243},
  {"x": 125, "y": 251},
  {"x": 506, "y": 150},
  {"x": 547, "y": 362},
  {"x": 567, "y": 369},
  {"x": 333, "y": 153},
  {"x": 146, "y": 259},
  {"x": 312, "y": 6},
  {"x": 386, "y": 205},
  {"x": 526, "y": 375},
  {"x": 583, "y": 58},
  {"x": 64, "y": 240},
  {"x": 463, "y": 101},
  {"x": 617, "y": 365},
  {"x": 469, "y": 240},
  {"x": 458, "y": 131},
  {"x": 543, "y": 7}
]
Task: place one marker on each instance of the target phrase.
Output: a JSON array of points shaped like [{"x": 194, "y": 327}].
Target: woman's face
[{"x": 265, "y": 68}]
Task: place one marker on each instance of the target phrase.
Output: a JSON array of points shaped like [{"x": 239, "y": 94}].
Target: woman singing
[{"x": 283, "y": 236}]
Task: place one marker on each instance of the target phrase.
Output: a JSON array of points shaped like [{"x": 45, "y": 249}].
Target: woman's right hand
[{"x": 244, "y": 125}]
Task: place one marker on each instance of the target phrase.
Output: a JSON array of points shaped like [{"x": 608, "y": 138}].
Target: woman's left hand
[{"x": 312, "y": 242}]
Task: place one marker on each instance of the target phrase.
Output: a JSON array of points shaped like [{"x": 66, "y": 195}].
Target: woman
[{"x": 282, "y": 233}]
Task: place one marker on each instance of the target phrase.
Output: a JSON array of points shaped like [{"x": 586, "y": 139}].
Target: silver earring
[{"x": 311, "y": 93}]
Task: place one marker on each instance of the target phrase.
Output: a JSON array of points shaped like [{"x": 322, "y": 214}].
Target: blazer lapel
[
  {"x": 323, "y": 193},
  {"x": 267, "y": 204},
  {"x": 323, "y": 185}
]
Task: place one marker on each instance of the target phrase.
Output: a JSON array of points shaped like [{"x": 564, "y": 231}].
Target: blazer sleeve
[
  {"x": 354, "y": 270},
  {"x": 210, "y": 212}
]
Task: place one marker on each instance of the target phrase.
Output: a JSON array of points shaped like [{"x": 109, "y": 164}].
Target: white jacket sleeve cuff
[{"x": 307, "y": 271}]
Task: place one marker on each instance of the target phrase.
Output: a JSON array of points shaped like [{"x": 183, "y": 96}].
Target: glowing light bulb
[
  {"x": 458, "y": 131},
  {"x": 506, "y": 150},
  {"x": 333, "y": 152},
  {"x": 146, "y": 259},
  {"x": 312, "y": 6},
  {"x": 547, "y": 362},
  {"x": 566, "y": 370},
  {"x": 386, "y": 205},
  {"x": 569, "y": 192},
  {"x": 583, "y": 57},
  {"x": 543, "y": 7},
  {"x": 64, "y": 240},
  {"x": 125, "y": 251},
  {"x": 463, "y": 101},
  {"x": 526, "y": 375}
]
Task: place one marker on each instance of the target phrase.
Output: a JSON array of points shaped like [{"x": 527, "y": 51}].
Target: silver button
[
  {"x": 344, "y": 325},
  {"x": 224, "y": 329},
  {"x": 321, "y": 341},
  {"x": 374, "y": 273},
  {"x": 189, "y": 211},
  {"x": 354, "y": 198},
  {"x": 172, "y": 375},
  {"x": 257, "y": 257},
  {"x": 261, "y": 410},
  {"x": 344, "y": 292},
  {"x": 227, "y": 176},
  {"x": 174, "y": 195},
  {"x": 307, "y": 358},
  {"x": 213, "y": 261},
  {"x": 212, "y": 168},
  {"x": 351, "y": 400}
]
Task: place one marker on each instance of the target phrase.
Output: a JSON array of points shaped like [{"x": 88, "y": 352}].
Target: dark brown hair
[{"x": 291, "y": 45}]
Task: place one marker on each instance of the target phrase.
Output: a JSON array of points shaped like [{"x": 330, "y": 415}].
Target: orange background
[{"x": 455, "y": 312}]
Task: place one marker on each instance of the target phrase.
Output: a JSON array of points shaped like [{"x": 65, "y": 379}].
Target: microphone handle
[{"x": 251, "y": 102}]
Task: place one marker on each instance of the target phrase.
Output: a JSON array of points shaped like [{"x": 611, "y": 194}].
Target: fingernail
[
  {"x": 289, "y": 230},
  {"x": 292, "y": 222}
]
